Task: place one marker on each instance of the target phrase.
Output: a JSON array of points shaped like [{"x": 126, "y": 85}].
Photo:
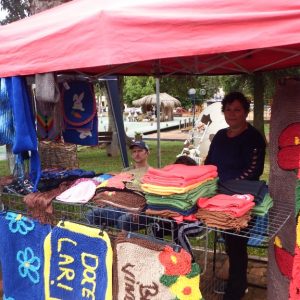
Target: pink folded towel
[
  {"x": 236, "y": 205},
  {"x": 179, "y": 175}
]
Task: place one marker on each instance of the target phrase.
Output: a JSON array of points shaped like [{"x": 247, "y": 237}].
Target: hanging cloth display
[
  {"x": 46, "y": 89},
  {"x": 172, "y": 276},
  {"x": 80, "y": 114},
  {"x": 78, "y": 263},
  {"x": 22, "y": 256},
  {"x": 49, "y": 120},
  {"x": 25, "y": 134},
  {"x": 6, "y": 116}
]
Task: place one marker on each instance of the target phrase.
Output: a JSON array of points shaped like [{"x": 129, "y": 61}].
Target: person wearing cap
[
  {"x": 119, "y": 218},
  {"x": 139, "y": 154}
]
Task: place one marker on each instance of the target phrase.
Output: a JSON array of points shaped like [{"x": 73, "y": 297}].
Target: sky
[{"x": 2, "y": 13}]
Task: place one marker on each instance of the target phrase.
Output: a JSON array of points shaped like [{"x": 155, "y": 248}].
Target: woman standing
[{"x": 238, "y": 151}]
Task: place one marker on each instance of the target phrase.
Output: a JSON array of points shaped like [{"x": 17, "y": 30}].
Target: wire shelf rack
[
  {"x": 277, "y": 218},
  {"x": 117, "y": 219},
  {"x": 201, "y": 242}
]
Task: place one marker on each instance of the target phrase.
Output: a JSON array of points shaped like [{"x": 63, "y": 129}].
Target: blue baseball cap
[{"x": 139, "y": 144}]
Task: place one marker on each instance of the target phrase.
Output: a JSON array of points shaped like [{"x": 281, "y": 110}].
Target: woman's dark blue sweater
[{"x": 240, "y": 157}]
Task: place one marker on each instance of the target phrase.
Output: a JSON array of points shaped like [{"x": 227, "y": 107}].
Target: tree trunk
[{"x": 258, "y": 94}]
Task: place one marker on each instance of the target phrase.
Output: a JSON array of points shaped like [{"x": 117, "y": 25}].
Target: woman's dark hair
[
  {"x": 229, "y": 98},
  {"x": 185, "y": 160}
]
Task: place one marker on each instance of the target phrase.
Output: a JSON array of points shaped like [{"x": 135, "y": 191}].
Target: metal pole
[
  {"x": 158, "y": 121},
  {"x": 194, "y": 109}
]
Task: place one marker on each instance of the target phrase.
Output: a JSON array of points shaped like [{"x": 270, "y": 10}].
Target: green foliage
[
  {"x": 137, "y": 87},
  {"x": 177, "y": 86},
  {"x": 244, "y": 82}
]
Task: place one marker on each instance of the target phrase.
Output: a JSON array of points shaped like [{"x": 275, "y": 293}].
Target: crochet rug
[
  {"x": 78, "y": 263},
  {"x": 172, "y": 275},
  {"x": 22, "y": 256}
]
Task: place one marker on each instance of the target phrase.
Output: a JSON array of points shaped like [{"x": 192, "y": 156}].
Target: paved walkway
[
  {"x": 212, "y": 286},
  {"x": 146, "y": 127}
]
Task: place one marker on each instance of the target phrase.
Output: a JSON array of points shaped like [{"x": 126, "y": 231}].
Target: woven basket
[{"x": 58, "y": 155}]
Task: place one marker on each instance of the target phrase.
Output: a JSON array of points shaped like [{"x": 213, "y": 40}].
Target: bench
[{"x": 104, "y": 137}]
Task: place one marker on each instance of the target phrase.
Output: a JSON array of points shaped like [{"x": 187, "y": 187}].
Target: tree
[
  {"x": 16, "y": 10},
  {"x": 20, "y": 9},
  {"x": 177, "y": 86},
  {"x": 136, "y": 87},
  {"x": 37, "y": 6}
]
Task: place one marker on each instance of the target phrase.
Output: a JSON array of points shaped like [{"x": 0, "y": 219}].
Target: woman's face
[{"x": 235, "y": 114}]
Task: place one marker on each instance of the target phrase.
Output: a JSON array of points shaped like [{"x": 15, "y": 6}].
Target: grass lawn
[{"x": 96, "y": 159}]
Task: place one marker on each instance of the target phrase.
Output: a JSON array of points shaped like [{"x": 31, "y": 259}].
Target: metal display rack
[{"x": 203, "y": 242}]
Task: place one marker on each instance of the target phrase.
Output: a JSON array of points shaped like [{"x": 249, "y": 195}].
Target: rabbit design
[
  {"x": 78, "y": 102},
  {"x": 84, "y": 134}
]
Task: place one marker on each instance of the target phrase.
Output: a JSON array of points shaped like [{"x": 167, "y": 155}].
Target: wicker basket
[{"x": 58, "y": 155}]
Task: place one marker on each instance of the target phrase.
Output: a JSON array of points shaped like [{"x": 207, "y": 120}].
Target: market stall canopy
[
  {"x": 165, "y": 100},
  {"x": 133, "y": 37}
]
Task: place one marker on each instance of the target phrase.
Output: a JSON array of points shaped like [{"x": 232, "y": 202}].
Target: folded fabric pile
[
  {"x": 51, "y": 179},
  {"x": 263, "y": 203},
  {"x": 116, "y": 181},
  {"x": 81, "y": 191},
  {"x": 39, "y": 204},
  {"x": 225, "y": 211},
  {"x": 174, "y": 190},
  {"x": 257, "y": 188},
  {"x": 124, "y": 199}
]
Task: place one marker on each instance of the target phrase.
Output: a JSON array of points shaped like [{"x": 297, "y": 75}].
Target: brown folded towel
[
  {"x": 39, "y": 204},
  {"x": 127, "y": 200},
  {"x": 165, "y": 213},
  {"x": 223, "y": 220}
]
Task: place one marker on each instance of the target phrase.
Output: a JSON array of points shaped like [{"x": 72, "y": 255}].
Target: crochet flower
[
  {"x": 19, "y": 223},
  {"x": 29, "y": 265},
  {"x": 175, "y": 263},
  {"x": 187, "y": 288}
]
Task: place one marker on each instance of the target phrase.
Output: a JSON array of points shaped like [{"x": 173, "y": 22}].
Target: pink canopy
[{"x": 154, "y": 37}]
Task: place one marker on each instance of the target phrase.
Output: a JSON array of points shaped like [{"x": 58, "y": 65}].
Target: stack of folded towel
[
  {"x": 174, "y": 190},
  {"x": 225, "y": 211}
]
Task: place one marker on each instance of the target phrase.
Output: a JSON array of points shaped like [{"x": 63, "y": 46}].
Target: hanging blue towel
[
  {"x": 6, "y": 116},
  {"x": 80, "y": 114},
  {"x": 79, "y": 103},
  {"x": 24, "y": 125},
  {"x": 22, "y": 256},
  {"x": 78, "y": 263},
  {"x": 80, "y": 136}
]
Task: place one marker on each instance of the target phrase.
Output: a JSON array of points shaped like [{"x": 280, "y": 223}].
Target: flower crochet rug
[
  {"x": 148, "y": 269},
  {"x": 21, "y": 256},
  {"x": 78, "y": 263}
]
